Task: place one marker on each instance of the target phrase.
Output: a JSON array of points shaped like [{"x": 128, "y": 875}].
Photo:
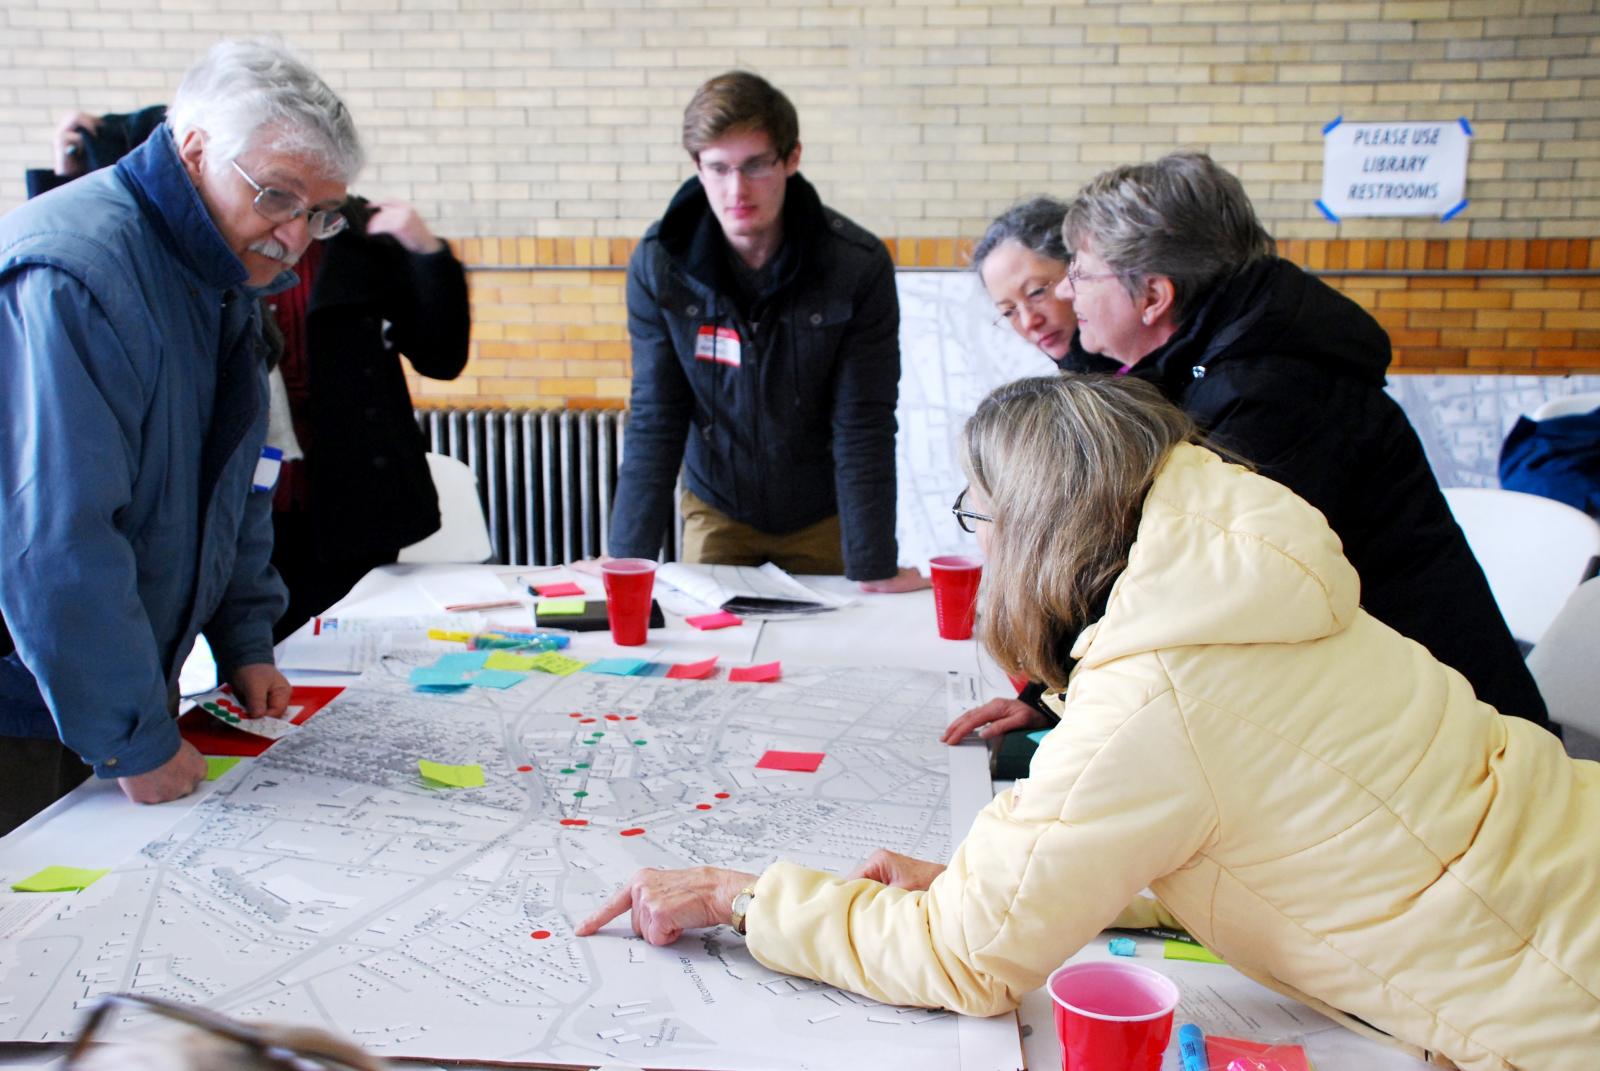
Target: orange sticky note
[
  {"x": 693, "y": 671},
  {"x": 720, "y": 619},
  {"x": 794, "y": 761},
  {"x": 770, "y": 671}
]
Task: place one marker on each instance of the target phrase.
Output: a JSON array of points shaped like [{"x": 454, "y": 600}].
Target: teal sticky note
[
  {"x": 434, "y": 677},
  {"x": 442, "y": 689},
  {"x": 497, "y": 678},
  {"x": 558, "y": 608},
  {"x": 618, "y": 667},
  {"x": 1038, "y": 737},
  {"x": 461, "y": 661}
]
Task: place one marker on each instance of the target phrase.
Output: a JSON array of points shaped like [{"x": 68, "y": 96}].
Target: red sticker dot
[
  {"x": 539, "y": 935},
  {"x": 574, "y": 715},
  {"x": 631, "y": 717},
  {"x": 586, "y": 721},
  {"x": 631, "y": 832},
  {"x": 574, "y": 821},
  {"x": 524, "y": 769},
  {"x": 613, "y": 717},
  {"x": 722, "y": 795},
  {"x": 702, "y": 806}
]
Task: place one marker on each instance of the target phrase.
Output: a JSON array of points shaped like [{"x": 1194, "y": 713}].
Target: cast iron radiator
[{"x": 546, "y": 476}]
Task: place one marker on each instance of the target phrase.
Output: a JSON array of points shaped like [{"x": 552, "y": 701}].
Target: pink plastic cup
[
  {"x": 955, "y": 593},
  {"x": 1112, "y": 1016},
  {"x": 628, "y": 582}
]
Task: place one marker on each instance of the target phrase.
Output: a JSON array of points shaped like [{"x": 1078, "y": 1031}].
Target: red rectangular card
[
  {"x": 212, "y": 737},
  {"x": 693, "y": 671},
  {"x": 555, "y": 591},
  {"x": 720, "y": 619},
  {"x": 764, "y": 673},
  {"x": 794, "y": 761}
]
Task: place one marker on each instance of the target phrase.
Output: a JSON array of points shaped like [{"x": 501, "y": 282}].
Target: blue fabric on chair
[{"x": 1557, "y": 458}]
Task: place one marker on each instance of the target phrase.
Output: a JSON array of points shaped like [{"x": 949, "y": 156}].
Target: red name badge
[{"x": 720, "y": 344}]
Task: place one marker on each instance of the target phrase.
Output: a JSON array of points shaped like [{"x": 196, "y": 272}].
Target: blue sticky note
[
  {"x": 462, "y": 661},
  {"x": 497, "y": 678},
  {"x": 1038, "y": 737},
  {"x": 618, "y": 667},
  {"x": 434, "y": 676}
]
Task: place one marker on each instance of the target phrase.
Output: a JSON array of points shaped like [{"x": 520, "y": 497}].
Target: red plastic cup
[
  {"x": 955, "y": 593},
  {"x": 629, "y": 582},
  {"x": 1112, "y": 1016}
]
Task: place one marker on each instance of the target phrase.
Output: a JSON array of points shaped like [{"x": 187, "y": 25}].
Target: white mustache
[{"x": 271, "y": 247}]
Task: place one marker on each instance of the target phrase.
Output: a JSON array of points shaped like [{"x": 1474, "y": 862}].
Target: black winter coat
[
  {"x": 371, "y": 493},
  {"x": 803, "y": 426},
  {"x": 1288, "y": 373}
]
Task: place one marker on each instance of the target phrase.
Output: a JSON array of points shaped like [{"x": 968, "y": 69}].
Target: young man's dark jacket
[
  {"x": 1288, "y": 373},
  {"x": 803, "y": 427},
  {"x": 371, "y": 492}
]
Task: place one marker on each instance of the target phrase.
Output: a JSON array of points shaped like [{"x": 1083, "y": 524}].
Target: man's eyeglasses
[
  {"x": 204, "y": 1038},
  {"x": 756, "y": 169},
  {"x": 281, "y": 206},
  {"x": 964, "y": 517},
  {"x": 1031, "y": 301},
  {"x": 1077, "y": 277}
]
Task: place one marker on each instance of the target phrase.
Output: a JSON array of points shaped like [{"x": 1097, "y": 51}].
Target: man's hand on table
[
  {"x": 173, "y": 779},
  {"x": 898, "y": 871},
  {"x": 993, "y": 718},
  {"x": 905, "y": 579},
  {"x": 667, "y": 902},
  {"x": 261, "y": 690}
]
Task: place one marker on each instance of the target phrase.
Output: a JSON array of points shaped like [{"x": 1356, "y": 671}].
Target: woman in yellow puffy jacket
[{"x": 1308, "y": 792}]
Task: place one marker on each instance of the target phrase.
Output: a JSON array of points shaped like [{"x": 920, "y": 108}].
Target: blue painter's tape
[
  {"x": 1466, "y": 126},
  {"x": 1456, "y": 211},
  {"x": 1336, "y": 121},
  {"x": 1326, "y": 211}
]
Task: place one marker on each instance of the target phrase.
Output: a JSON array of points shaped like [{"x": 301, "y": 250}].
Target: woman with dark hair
[
  {"x": 1309, "y": 793},
  {"x": 1174, "y": 281},
  {"x": 1021, "y": 260}
]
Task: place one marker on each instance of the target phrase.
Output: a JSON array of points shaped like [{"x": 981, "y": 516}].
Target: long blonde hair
[{"x": 1064, "y": 463}]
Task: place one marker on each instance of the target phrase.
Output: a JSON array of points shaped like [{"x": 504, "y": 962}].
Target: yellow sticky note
[
  {"x": 469, "y": 775},
  {"x": 506, "y": 660},
  {"x": 1193, "y": 953},
  {"x": 217, "y": 765},
  {"x": 449, "y": 634},
  {"x": 59, "y": 879},
  {"x": 559, "y": 664},
  {"x": 558, "y": 607}
]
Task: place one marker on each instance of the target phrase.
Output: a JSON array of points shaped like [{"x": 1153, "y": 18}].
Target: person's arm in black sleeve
[
  {"x": 661, "y": 406},
  {"x": 430, "y": 318},
  {"x": 866, "y": 389}
]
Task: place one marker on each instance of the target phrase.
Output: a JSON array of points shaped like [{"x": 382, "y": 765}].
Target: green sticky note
[
  {"x": 558, "y": 608},
  {"x": 217, "y": 765},
  {"x": 443, "y": 775},
  {"x": 60, "y": 879},
  {"x": 559, "y": 664},
  {"x": 1193, "y": 953},
  {"x": 519, "y": 663}
]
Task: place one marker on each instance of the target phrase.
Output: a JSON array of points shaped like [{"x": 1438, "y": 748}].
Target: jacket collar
[
  {"x": 693, "y": 238},
  {"x": 157, "y": 177}
]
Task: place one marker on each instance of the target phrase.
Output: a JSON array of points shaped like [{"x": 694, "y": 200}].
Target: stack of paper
[{"x": 753, "y": 592}]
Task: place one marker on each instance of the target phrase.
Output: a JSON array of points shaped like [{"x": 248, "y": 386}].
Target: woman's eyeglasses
[
  {"x": 964, "y": 517},
  {"x": 1031, "y": 301}
]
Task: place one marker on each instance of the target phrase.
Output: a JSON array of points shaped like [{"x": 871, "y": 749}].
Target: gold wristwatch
[{"x": 741, "y": 908}]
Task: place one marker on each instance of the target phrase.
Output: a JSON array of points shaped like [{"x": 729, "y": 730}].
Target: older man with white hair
[{"x": 134, "y": 477}]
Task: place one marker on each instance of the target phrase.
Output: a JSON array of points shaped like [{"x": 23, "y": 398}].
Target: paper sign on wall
[{"x": 1394, "y": 169}]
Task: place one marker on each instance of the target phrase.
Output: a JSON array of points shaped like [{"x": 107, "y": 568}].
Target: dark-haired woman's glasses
[{"x": 964, "y": 517}]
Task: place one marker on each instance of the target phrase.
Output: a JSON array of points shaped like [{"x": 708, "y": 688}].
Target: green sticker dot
[
  {"x": 583, "y": 765},
  {"x": 638, "y": 743},
  {"x": 588, "y": 743},
  {"x": 579, "y": 794},
  {"x": 568, "y": 769},
  {"x": 597, "y": 734}
]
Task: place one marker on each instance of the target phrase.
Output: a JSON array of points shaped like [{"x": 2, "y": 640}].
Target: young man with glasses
[
  {"x": 766, "y": 360},
  {"x": 134, "y": 489}
]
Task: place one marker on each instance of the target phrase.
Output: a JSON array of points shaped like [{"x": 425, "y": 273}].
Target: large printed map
[{"x": 325, "y": 883}]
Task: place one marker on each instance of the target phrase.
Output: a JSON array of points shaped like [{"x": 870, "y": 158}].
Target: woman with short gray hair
[
  {"x": 1174, "y": 280},
  {"x": 1021, "y": 259}
]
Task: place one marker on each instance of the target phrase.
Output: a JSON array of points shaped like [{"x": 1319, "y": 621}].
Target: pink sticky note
[
  {"x": 720, "y": 619},
  {"x": 796, "y": 761},
  {"x": 771, "y": 671},
  {"x": 693, "y": 671},
  {"x": 553, "y": 591}
]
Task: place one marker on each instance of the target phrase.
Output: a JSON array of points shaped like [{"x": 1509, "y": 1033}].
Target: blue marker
[{"x": 1192, "y": 1047}]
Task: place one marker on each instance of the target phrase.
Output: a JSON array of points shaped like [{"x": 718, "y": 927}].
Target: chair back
[
  {"x": 1570, "y": 405},
  {"x": 463, "y": 534},
  {"x": 1564, "y": 664},
  {"x": 1534, "y": 551}
]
